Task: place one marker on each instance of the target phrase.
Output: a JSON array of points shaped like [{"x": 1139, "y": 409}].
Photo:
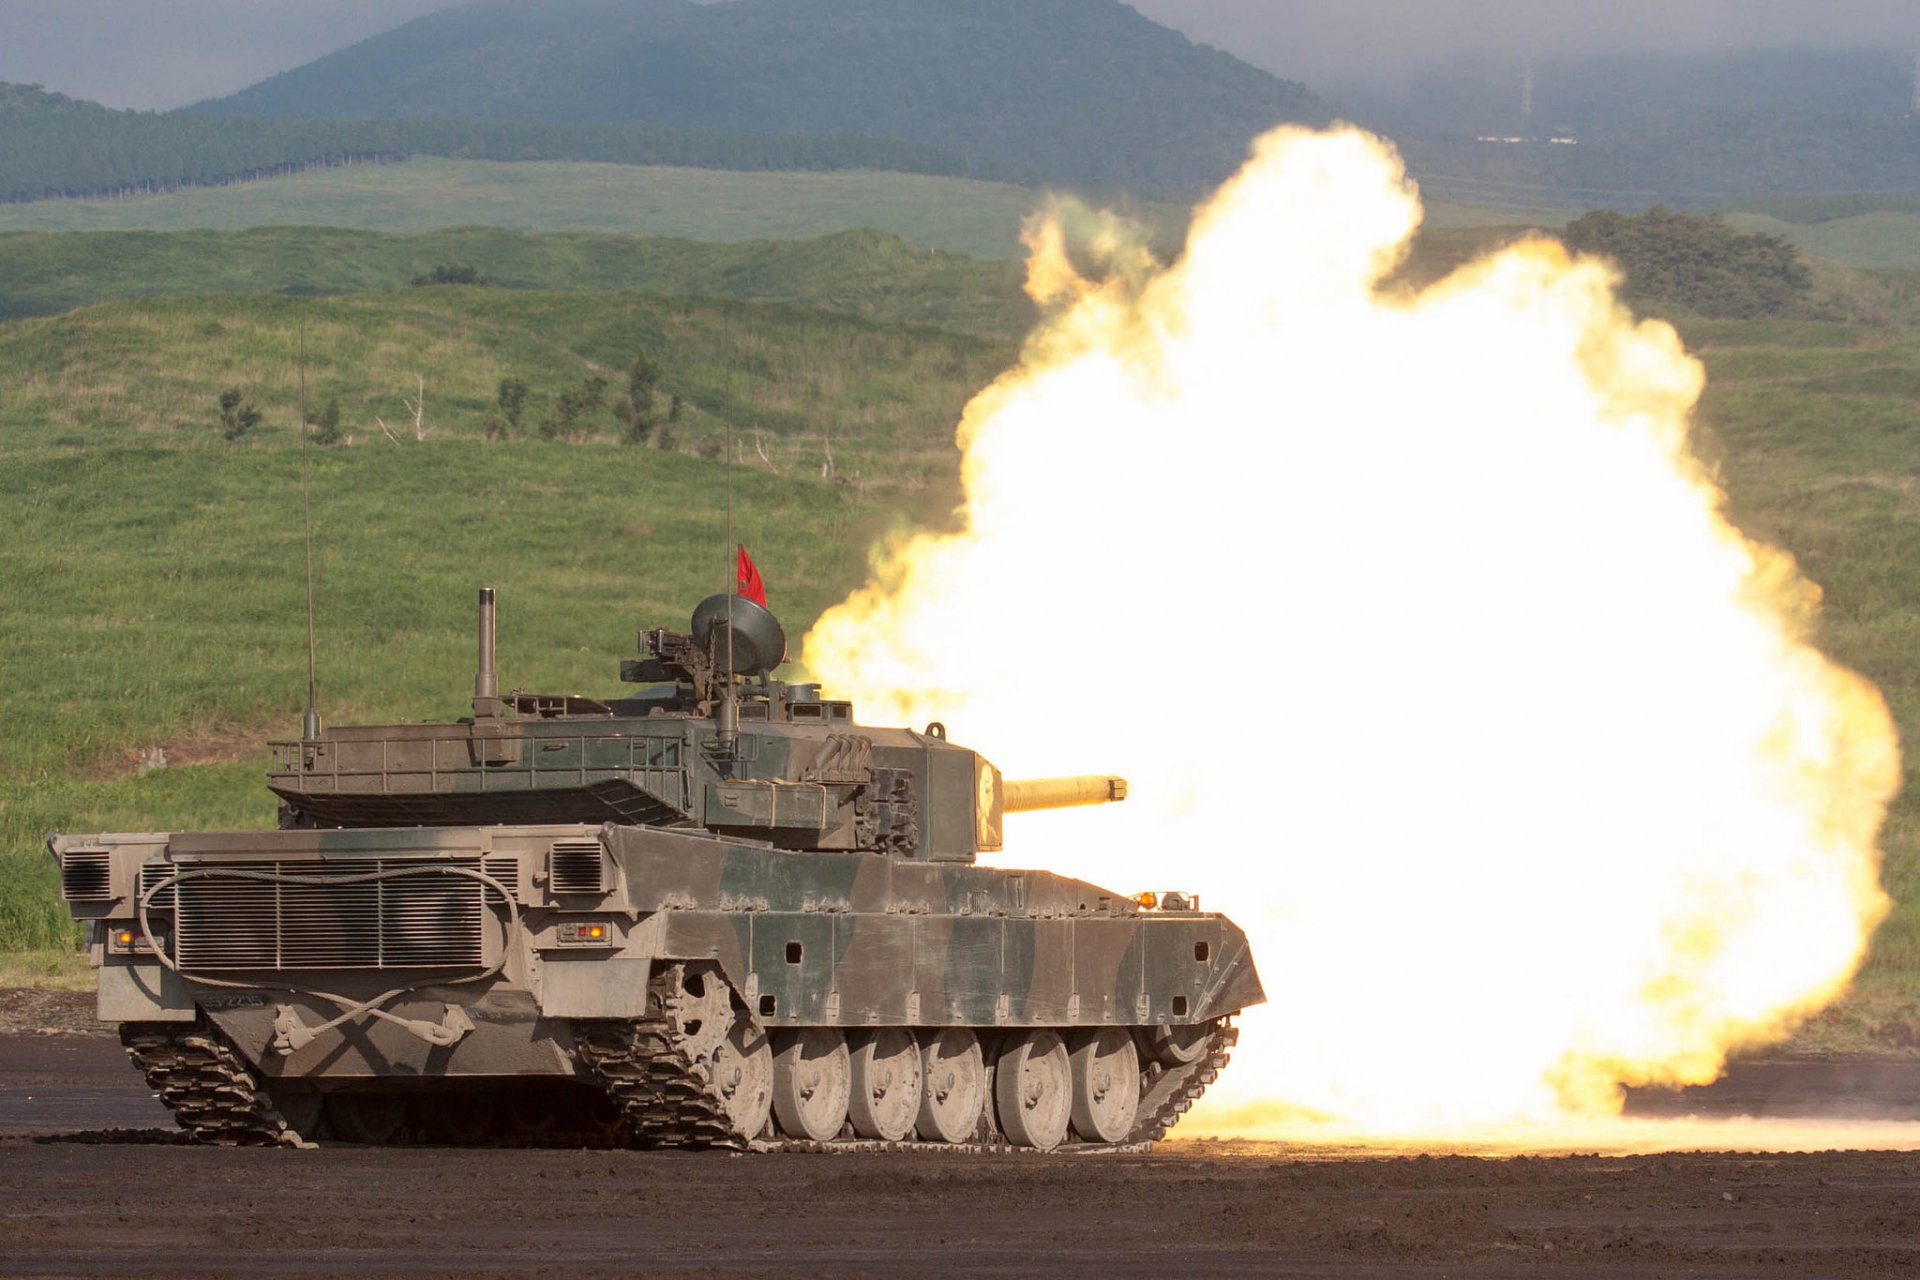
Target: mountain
[
  {"x": 1085, "y": 91},
  {"x": 1633, "y": 129}
]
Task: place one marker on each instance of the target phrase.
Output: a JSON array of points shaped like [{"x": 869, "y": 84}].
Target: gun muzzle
[{"x": 1022, "y": 795}]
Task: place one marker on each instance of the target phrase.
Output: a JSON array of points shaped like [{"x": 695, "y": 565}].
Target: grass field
[
  {"x": 1884, "y": 238},
  {"x": 957, "y": 214},
  {"x": 870, "y": 274}
]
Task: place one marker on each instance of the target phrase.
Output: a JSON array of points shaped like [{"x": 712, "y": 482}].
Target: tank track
[
  {"x": 664, "y": 1098},
  {"x": 211, "y": 1091},
  {"x": 668, "y": 1102}
]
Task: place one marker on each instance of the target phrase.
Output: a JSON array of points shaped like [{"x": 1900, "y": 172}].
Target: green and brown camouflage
[{"x": 678, "y": 905}]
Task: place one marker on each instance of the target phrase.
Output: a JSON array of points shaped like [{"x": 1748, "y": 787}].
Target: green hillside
[
  {"x": 868, "y": 274},
  {"x": 961, "y": 215},
  {"x": 792, "y": 382},
  {"x": 1883, "y": 239},
  {"x": 1073, "y": 90},
  {"x": 58, "y": 147}
]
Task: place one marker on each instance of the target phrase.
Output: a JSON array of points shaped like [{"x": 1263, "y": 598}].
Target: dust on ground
[{"x": 95, "y": 1182}]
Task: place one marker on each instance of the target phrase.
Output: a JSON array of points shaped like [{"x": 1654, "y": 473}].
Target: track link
[
  {"x": 211, "y": 1091},
  {"x": 1176, "y": 1089}
]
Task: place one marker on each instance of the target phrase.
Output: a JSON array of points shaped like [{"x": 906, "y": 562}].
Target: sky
[{"x": 166, "y": 53}]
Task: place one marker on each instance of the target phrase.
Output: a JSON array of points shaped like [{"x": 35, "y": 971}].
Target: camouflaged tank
[{"x": 718, "y": 912}]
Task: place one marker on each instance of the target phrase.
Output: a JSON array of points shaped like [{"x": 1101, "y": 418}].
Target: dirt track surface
[{"x": 151, "y": 1207}]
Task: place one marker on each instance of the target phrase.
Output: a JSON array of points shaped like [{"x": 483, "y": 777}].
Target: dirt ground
[{"x": 94, "y": 1182}]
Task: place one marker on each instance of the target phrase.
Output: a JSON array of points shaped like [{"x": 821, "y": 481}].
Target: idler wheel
[
  {"x": 1106, "y": 1083},
  {"x": 886, "y": 1083},
  {"x": 812, "y": 1081},
  {"x": 1033, "y": 1090},
  {"x": 742, "y": 1069},
  {"x": 953, "y": 1086},
  {"x": 371, "y": 1118}
]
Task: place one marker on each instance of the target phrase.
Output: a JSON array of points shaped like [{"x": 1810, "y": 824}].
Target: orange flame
[{"x": 1424, "y": 643}]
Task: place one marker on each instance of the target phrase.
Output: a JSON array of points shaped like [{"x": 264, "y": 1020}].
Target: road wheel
[
  {"x": 953, "y": 1085},
  {"x": 812, "y": 1081},
  {"x": 1179, "y": 1046},
  {"x": 886, "y": 1083},
  {"x": 1033, "y": 1090},
  {"x": 1106, "y": 1083}
]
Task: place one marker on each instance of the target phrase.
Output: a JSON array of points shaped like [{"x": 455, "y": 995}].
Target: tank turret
[{"x": 709, "y": 740}]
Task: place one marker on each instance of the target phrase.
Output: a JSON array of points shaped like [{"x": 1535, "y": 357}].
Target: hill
[
  {"x": 1686, "y": 129},
  {"x": 59, "y": 147},
  {"x": 1066, "y": 90},
  {"x": 958, "y": 214}
]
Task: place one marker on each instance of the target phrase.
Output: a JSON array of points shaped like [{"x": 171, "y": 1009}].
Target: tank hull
[{"x": 316, "y": 963}]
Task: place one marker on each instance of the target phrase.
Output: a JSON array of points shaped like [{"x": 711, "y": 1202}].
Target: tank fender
[{"x": 1236, "y": 983}]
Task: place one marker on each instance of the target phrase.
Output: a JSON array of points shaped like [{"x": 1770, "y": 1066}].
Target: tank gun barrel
[{"x": 1023, "y": 795}]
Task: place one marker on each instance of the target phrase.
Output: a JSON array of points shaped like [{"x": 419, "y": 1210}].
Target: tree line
[{"x": 59, "y": 147}]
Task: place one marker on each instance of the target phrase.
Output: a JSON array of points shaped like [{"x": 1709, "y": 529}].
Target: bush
[
  {"x": 326, "y": 424},
  {"x": 1696, "y": 261},
  {"x": 444, "y": 274},
  {"x": 512, "y": 398},
  {"x": 238, "y": 415}
]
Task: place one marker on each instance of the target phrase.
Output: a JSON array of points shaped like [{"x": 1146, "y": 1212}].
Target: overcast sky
[{"x": 163, "y": 53}]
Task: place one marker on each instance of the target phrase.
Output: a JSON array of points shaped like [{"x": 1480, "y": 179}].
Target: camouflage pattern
[{"x": 502, "y": 898}]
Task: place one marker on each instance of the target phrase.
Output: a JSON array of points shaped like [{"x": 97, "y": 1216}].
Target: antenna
[
  {"x": 309, "y": 723},
  {"x": 729, "y": 734}
]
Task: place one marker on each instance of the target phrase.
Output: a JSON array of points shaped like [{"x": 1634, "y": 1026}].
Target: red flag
[{"x": 750, "y": 586}]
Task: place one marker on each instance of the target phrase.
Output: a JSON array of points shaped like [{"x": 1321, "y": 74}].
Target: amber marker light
[
  {"x": 584, "y": 933},
  {"x": 128, "y": 942}
]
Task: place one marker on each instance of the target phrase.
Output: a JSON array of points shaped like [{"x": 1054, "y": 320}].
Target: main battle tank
[{"x": 717, "y": 912}]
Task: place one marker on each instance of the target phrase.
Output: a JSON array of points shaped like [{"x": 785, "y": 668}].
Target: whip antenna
[
  {"x": 729, "y": 700},
  {"x": 309, "y": 723}
]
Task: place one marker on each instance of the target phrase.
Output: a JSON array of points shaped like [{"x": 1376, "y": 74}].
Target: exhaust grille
[
  {"x": 504, "y": 867},
  {"x": 339, "y": 918},
  {"x": 575, "y": 866},
  {"x": 86, "y": 875},
  {"x": 152, "y": 874}
]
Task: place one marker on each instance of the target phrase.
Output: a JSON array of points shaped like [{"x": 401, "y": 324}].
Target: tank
[{"x": 716, "y": 911}]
